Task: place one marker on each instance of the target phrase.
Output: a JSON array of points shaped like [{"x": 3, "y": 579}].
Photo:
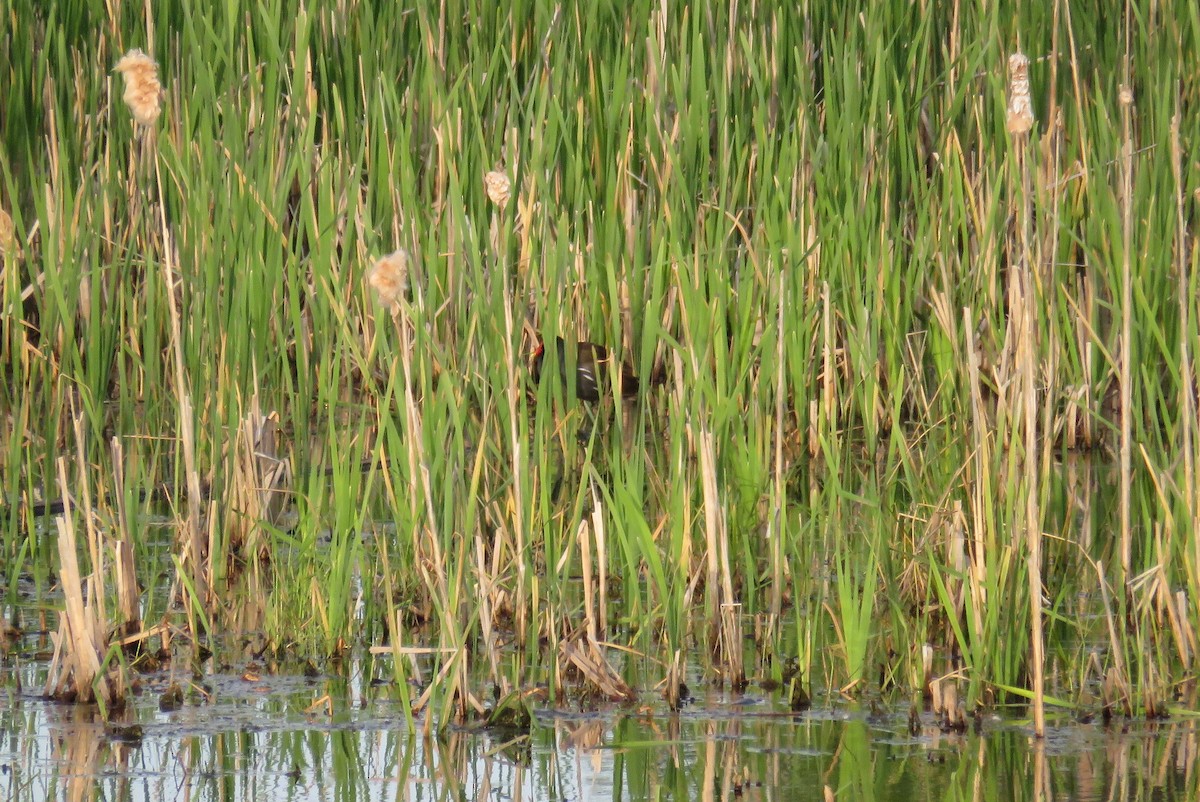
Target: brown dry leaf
[{"x": 586, "y": 656}]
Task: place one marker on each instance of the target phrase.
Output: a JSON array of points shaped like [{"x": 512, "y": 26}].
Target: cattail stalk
[{"x": 1019, "y": 124}]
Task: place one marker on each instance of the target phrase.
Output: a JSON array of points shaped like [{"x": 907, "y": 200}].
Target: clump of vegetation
[{"x": 928, "y": 414}]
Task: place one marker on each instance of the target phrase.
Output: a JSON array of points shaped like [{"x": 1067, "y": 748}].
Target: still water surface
[{"x": 248, "y": 737}]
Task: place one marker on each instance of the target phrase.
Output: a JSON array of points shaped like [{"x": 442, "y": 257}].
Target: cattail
[
  {"x": 7, "y": 233},
  {"x": 1020, "y": 109},
  {"x": 389, "y": 277},
  {"x": 499, "y": 188},
  {"x": 143, "y": 92}
]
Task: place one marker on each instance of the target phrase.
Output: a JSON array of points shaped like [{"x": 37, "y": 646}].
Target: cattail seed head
[
  {"x": 8, "y": 237},
  {"x": 143, "y": 92},
  {"x": 498, "y": 187},
  {"x": 389, "y": 277},
  {"x": 1020, "y": 108}
]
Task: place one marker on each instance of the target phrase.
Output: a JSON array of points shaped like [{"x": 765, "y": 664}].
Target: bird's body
[{"x": 591, "y": 363}]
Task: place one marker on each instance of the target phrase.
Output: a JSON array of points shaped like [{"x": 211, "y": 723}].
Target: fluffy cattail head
[
  {"x": 8, "y": 238},
  {"x": 143, "y": 92},
  {"x": 389, "y": 277},
  {"x": 498, "y": 187},
  {"x": 1020, "y": 108}
]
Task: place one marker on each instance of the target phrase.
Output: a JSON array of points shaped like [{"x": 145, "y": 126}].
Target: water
[{"x": 248, "y": 734}]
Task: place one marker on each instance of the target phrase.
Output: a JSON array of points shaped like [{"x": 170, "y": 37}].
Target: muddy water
[{"x": 245, "y": 734}]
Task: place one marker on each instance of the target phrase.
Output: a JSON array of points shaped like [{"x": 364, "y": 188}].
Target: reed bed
[{"x": 929, "y": 411}]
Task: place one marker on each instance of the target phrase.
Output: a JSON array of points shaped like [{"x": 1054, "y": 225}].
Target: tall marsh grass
[{"x": 889, "y": 313}]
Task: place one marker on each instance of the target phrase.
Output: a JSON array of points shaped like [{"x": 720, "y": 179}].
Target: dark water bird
[{"x": 591, "y": 363}]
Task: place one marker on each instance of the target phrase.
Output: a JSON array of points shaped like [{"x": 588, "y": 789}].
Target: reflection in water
[{"x": 247, "y": 745}]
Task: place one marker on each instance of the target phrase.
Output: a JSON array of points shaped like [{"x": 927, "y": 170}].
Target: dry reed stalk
[
  {"x": 191, "y": 534},
  {"x": 1187, "y": 370},
  {"x": 714, "y": 521},
  {"x": 95, "y": 552},
  {"x": 1113, "y": 692},
  {"x": 719, "y": 583},
  {"x": 1020, "y": 122},
  {"x": 1048, "y": 243},
  {"x": 673, "y": 691},
  {"x": 586, "y": 656},
  {"x": 963, "y": 573},
  {"x": 600, "y": 542},
  {"x": 982, "y": 535},
  {"x": 128, "y": 592},
  {"x": 426, "y": 544},
  {"x": 81, "y": 643},
  {"x": 818, "y": 428},
  {"x": 487, "y": 630},
  {"x": 143, "y": 92},
  {"x": 732, "y": 643},
  {"x": 1187, "y": 632},
  {"x": 1164, "y": 603},
  {"x": 527, "y": 206},
  {"x": 449, "y": 679},
  {"x": 1117, "y": 677},
  {"x": 953, "y": 717},
  {"x": 1125, "y": 375},
  {"x": 775, "y": 526},
  {"x": 585, "y": 567},
  {"x": 520, "y": 457},
  {"x": 195, "y": 546},
  {"x": 260, "y": 484},
  {"x": 467, "y": 703},
  {"x": 927, "y": 670},
  {"x": 1026, "y": 356},
  {"x": 590, "y": 537},
  {"x": 395, "y": 621}
]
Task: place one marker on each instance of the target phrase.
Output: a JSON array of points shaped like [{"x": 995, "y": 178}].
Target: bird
[{"x": 591, "y": 367}]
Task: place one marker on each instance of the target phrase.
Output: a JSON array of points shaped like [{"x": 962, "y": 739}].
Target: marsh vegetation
[{"x": 921, "y": 317}]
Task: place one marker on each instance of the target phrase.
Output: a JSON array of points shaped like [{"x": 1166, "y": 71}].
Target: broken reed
[{"x": 812, "y": 241}]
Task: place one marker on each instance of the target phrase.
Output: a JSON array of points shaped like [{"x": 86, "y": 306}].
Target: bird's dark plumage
[{"x": 591, "y": 363}]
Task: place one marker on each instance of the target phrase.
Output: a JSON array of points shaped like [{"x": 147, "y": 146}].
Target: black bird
[{"x": 591, "y": 367}]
